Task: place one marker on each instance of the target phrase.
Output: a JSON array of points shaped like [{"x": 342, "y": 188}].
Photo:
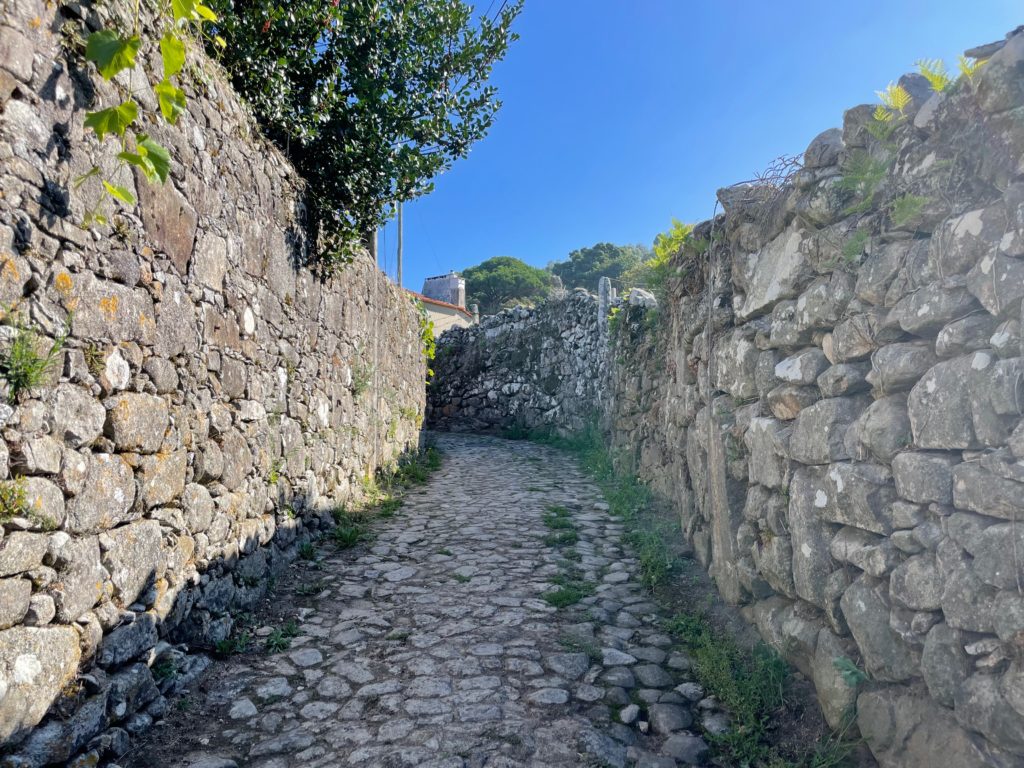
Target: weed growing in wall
[{"x": 22, "y": 364}]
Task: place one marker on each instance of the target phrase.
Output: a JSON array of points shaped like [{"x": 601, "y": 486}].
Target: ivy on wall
[{"x": 113, "y": 52}]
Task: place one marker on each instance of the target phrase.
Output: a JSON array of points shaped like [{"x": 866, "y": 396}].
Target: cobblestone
[{"x": 434, "y": 645}]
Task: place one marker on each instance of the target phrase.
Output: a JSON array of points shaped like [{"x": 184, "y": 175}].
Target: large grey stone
[
  {"x": 905, "y": 729},
  {"x": 136, "y": 422},
  {"x": 980, "y": 490},
  {"x": 857, "y": 494},
  {"x": 774, "y": 273},
  {"x": 873, "y": 554},
  {"x": 812, "y": 559},
  {"x": 819, "y": 432},
  {"x": 998, "y": 283},
  {"x": 35, "y": 665},
  {"x": 930, "y": 307},
  {"x": 21, "y": 551},
  {"x": 917, "y": 584},
  {"x": 162, "y": 477},
  {"x": 881, "y": 431},
  {"x": 133, "y": 558},
  {"x": 80, "y": 578},
  {"x": 128, "y": 641},
  {"x": 924, "y": 477},
  {"x": 944, "y": 663},
  {"x": 866, "y": 608},
  {"x": 768, "y": 440},
  {"x": 835, "y": 696},
  {"x": 844, "y": 379},
  {"x": 803, "y": 368},
  {"x": 106, "y": 311},
  {"x": 14, "y": 597},
  {"x": 77, "y": 416},
  {"x": 896, "y": 367},
  {"x": 107, "y": 496},
  {"x": 44, "y": 503},
  {"x": 981, "y": 704},
  {"x": 736, "y": 363}
]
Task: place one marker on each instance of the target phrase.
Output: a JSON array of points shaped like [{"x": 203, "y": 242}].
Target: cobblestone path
[{"x": 434, "y": 647}]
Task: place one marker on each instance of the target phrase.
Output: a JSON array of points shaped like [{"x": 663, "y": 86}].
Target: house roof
[{"x": 435, "y": 302}]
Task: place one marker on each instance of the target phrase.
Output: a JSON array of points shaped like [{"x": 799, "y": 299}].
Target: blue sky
[{"x": 620, "y": 114}]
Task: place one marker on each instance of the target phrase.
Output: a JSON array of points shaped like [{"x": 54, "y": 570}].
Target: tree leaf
[
  {"x": 140, "y": 162},
  {"x": 156, "y": 154},
  {"x": 172, "y": 50},
  {"x": 205, "y": 13},
  {"x": 113, "y": 119},
  {"x": 110, "y": 52},
  {"x": 172, "y": 100},
  {"x": 80, "y": 180},
  {"x": 119, "y": 193},
  {"x": 183, "y": 9}
]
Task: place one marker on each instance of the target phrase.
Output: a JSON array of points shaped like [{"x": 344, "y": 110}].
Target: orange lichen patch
[
  {"x": 10, "y": 269},
  {"x": 109, "y": 306},
  {"x": 147, "y": 251},
  {"x": 63, "y": 283},
  {"x": 36, "y": 23}
]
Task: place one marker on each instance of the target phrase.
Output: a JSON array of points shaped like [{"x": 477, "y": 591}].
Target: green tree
[
  {"x": 504, "y": 281},
  {"x": 586, "y": 266},
  {"x": 370, "y": 99}
]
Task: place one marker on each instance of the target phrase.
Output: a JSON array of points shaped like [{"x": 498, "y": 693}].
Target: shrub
[{"x": 369, "y": 98}]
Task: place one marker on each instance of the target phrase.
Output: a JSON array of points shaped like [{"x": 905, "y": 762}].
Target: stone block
[
  {"x": 35, "y": 665},
  {"x": 136, "y": 422},
  {"x": 132, "y": 555},
  {"x": 866, "y": 606},
  {"x": 819, "y": 432},
  {"x": 106, "y": 498}
]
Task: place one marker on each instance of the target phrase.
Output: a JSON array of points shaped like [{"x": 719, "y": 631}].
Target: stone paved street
[{"x": 433, "y": 645}]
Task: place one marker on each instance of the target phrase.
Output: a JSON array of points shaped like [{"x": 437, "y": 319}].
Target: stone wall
[
  {"x": 832, "y": 401},
  {"x": 213, "y": 401},
  {"x": 521, "y": 368}
]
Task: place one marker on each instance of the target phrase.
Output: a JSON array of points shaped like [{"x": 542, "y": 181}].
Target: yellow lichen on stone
[
  {"x": 109, "y": 306},
  {"x": 63, "y": 283}
]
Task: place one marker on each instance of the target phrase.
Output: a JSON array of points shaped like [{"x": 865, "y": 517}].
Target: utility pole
[{"x": 399, "y": 244}]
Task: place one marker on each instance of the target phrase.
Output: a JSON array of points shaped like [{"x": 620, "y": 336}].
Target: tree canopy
[
  {"x": 370, "y": 99},
  {"x": 504, "y": 281},
  {"x": 586, "y": 266}
]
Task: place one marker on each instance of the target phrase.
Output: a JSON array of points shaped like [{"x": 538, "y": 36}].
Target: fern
[
  {"x": 906, "y": 208},
  {"x": 969, "y": 68},
  {"x": 852, "y": 674},
  {"x": 934, "y": 71},
  {"x": 895, "y": 97},
  {"x": 854, "y": 247},
  {"x": 882, "y": 125},
  {"x": 862, "y": 178}
]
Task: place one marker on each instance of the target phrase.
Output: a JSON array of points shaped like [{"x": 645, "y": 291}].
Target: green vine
[
  {"x": 427, "y": 339},
  {"x": 113, "y": 52}
]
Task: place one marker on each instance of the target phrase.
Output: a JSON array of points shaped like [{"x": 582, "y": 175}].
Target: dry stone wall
[
  {"x": 521, "y": 368},
  {"x": 212, "y": 402},
  {"x": 832, "y": 402}
]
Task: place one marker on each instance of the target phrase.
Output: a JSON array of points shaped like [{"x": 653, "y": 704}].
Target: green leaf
[
  {"x": 156, "y": 154},
  {"x": 113, "y": 120},
  {"x": 172, "y": 100},
  {"x": 205, "y": 13},
  {"x": 80, "y": 180},
  {"x": 172, "y": 50},
  {"x": 140, "y": 162},
  {"x": 110, "y": 52},
  {"x": 119, "y": 193},
  {"x": 183, "y": 9},
  {"x": 152, "y": 159}
]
